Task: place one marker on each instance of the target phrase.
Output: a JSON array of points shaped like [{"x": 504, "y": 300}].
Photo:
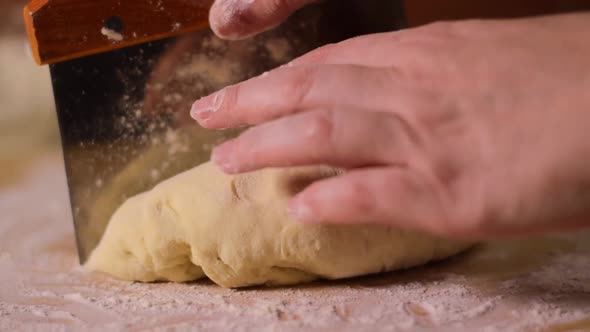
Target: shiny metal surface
[{"x": 123, "y": 115}]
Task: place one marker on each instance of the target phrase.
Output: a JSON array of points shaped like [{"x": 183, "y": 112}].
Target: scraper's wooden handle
[{"x": 66, "y": 29}]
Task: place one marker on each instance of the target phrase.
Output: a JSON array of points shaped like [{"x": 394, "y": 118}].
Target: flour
[
  {"x": 156, "y": 125},
  {"x": 53, "y": 293},
  {"x": 111, "y": 34},
  {"x": 228, "y": 11}
]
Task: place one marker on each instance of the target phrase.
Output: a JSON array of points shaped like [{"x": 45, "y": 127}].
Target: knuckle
[
  {"x": 414, "y": 73},
  {"x": 322, "y": 54},
  {"x": 440, "y": 28},
  {"x": 405, "y": 141},
  {"x": 302, "y": 80},
  {"x": 226, "y": 99},
  {"x": 434, "y": 39},
  {"x": 444, "y": 32},
  {"x": 407, "y": 75},
  {"x": 358, "y": 198},
  {"x": 320, "y": 128}
]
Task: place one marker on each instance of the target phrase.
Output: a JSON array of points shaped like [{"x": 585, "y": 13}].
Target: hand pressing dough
[{"x": 235, "y": 230}]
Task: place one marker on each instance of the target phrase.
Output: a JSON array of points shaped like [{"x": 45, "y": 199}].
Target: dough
[
  {"x": 175, "y": 152},
  {"x": 235, "y": 230}
]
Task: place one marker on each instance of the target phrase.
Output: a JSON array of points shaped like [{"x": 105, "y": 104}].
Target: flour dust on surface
[{"x": 491, "y": 288}]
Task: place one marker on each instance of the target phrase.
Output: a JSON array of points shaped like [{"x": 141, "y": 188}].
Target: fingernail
[
  {"x": 300, "y": 211},
  {"x": 203, "y": 108},
  {"x": 222, "y": 156}
]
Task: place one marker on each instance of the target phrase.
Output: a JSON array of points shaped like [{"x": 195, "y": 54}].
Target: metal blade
[{"x": 123, "y": 115}]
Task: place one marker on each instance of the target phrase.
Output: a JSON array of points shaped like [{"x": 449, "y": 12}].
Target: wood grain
[{"x": 66, "y": 29}]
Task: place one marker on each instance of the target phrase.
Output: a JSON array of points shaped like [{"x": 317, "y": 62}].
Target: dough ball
[{"x": 235, "y": 230}]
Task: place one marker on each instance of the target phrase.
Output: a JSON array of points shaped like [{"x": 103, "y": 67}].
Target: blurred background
[{"x": 28, "y": 127}]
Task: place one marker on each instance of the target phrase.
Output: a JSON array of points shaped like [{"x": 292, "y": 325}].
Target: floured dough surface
[{"x": 236, "y": 231}]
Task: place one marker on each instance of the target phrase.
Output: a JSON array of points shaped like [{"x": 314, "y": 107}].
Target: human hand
[
  {"x": 468, "y": 129},
  {"x": 239, "y": 19}
]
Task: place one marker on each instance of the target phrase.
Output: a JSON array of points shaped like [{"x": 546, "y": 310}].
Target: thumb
[{"x": 239, "y": 19}]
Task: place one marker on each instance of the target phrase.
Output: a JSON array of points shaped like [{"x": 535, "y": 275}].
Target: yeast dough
[{"x": 236, "y": 231}]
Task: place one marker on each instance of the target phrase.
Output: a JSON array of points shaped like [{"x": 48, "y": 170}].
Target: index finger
[{"x": 291, "y": 90}]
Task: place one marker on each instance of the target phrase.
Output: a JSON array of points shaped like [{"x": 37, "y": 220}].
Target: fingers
[
  {"x": 387, "y": 196},
  {"x": 369, "y": 50},
  {"x": 292, "y": 89},
  {"x": 400, "y": 49},
  {"x": 345, "y": 138},
  {"x": 239, "y": 19}
]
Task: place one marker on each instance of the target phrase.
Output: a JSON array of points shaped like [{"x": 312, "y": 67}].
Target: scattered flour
[
  {"x": 111, "y": 34},
  {"x": 42, "y": 287}
]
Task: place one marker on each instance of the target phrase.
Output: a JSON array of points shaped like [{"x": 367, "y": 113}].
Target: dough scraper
[{"x": 125, "y": 73}]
